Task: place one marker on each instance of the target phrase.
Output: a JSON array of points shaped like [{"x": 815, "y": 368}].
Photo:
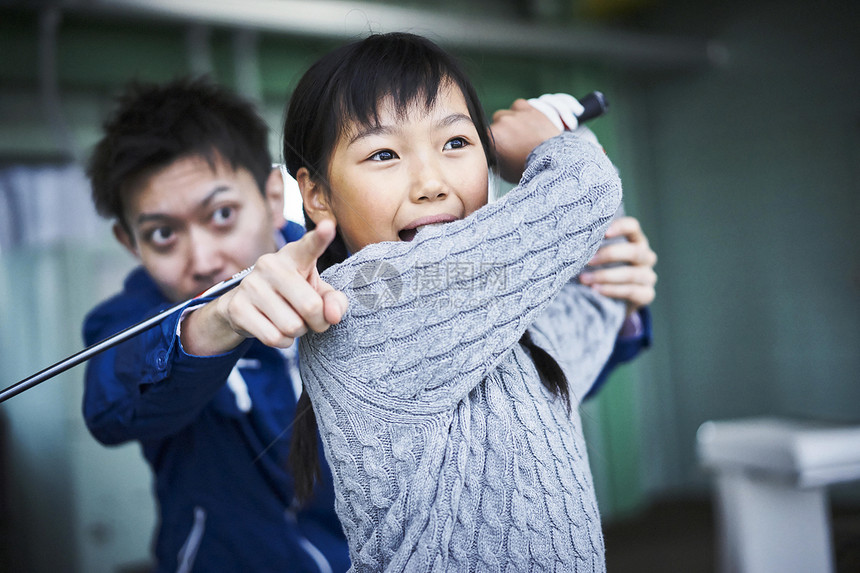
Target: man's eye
[
  {"x": 456, "y": 143},
  {"x": 384, "y": 155},
  {"x": 160, "y": 236},
  {"x": 222, "y": 215}
]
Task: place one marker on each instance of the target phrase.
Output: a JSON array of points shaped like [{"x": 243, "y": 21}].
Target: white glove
[{"x": 561, "y": 109}]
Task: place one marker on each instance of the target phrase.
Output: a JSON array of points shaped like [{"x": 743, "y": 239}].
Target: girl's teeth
[{"x": 409, "y": 234}]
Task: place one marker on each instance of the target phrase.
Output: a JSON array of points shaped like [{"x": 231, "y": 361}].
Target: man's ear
[
  {"x": 121, "y": 235},
  {"x": 274, "y": 195},
  {"x": 313, "y": 197}
]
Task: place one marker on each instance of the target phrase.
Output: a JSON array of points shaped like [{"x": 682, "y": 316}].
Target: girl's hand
[
  {"x": 561, "y": 109},
  {"x": 517, "y": 131},
  {"x": 634, "y": 280}
]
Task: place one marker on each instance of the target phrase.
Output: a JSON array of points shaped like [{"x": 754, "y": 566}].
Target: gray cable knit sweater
[{"x": 448, "y": 453}]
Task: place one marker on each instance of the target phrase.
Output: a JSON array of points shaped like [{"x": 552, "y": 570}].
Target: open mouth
[
  {"x": 409, "y": 234},
  {"x": 412, "y": 229}
]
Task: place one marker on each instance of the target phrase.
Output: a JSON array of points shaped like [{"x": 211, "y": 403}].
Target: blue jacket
[
  {"x": 218, "y": 454},
  {"x": 625, "y": 350}
]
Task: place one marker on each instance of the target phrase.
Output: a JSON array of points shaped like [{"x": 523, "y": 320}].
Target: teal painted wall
[{"x": 746, "y": 176}]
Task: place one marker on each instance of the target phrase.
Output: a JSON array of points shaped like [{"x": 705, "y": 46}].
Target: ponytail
[
  {"x": 304, "y": 461},
  {"x": 551, "y": 374}
]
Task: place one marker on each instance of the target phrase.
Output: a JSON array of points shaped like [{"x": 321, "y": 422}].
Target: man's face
[{"x": 193, "y": 226}]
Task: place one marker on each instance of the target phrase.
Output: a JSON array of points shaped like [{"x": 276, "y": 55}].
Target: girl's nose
[{"x": 428, "y": 183}]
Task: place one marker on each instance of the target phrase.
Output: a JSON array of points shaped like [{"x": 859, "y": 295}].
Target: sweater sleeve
[
  {"x": 579, "y": 329},
  {"x": 428, "y": 319}
]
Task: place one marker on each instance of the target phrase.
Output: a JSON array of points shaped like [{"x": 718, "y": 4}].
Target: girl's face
[{"x": 390, "y": 180}]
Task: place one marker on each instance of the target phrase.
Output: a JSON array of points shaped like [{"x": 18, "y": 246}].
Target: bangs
[{"x": 407, "y": 78}]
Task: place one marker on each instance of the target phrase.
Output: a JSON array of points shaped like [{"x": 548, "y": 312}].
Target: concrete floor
[
  {"x": 669, "y": 536},
  {"x": 679, "y": 536}
]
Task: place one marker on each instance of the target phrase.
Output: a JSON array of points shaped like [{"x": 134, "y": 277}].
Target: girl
[{"x": 444, "y": 396}]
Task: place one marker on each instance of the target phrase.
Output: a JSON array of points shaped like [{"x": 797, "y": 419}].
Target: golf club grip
[{"x": 595, "y": 105}]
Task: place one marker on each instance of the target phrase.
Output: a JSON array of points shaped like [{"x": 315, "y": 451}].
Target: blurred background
[{"x": 736, "y": 129}]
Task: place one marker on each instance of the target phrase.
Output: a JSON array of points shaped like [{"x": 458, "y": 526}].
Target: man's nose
[{"x": 205, "y": 257}]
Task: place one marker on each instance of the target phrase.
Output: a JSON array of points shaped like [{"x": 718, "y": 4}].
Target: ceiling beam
[{"x": 335, "y": 19}]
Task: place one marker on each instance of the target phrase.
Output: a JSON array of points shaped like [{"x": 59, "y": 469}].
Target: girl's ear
[{"x": 313, "y": 197}]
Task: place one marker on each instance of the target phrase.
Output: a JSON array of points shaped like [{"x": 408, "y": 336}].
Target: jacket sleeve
[
  {"x": 146, "y": 387},
  {"x": 430, "y": 318},
  {"x": 626, "y": 349}
]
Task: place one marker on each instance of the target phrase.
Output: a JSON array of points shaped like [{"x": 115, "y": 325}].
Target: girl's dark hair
[
  {"x": 346, "y": 87},
  {"x": 156, "y": 124}
]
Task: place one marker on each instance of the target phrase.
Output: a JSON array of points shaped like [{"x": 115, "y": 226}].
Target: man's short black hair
[{"x": 156, "y": 124}]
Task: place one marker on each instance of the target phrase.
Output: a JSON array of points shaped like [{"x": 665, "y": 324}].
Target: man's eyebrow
[
  {"x": 146, "y": 217},
  {"x": 212, "y": 194}
]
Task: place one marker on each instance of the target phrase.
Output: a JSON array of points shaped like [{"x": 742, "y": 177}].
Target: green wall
[{"x": 747, "y": 180}]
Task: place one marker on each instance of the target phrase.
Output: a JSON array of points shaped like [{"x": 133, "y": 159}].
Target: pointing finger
[{"x": 309, "y": 248}]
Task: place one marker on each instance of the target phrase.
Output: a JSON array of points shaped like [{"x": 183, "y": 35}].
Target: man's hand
[
  {"x": 277, "y": 302},
  {"x": 634, "y": 280}
]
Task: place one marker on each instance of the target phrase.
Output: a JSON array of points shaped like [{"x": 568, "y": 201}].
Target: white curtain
[
  {"x": 57, "y": 260},
  {"x": 45, "y": 205}
]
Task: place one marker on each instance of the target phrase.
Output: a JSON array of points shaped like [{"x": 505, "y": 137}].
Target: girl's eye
[
  {"x": 160, "y": 236},
  {"x": 384, "y": 155},
  {"x": 456, "y": 143},
  {"x": 223, "y": 215}
]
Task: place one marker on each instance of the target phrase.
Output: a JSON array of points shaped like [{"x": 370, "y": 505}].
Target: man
[
  {"x": 185, "y": 172},
  {"x": 624, "y": 269}
]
